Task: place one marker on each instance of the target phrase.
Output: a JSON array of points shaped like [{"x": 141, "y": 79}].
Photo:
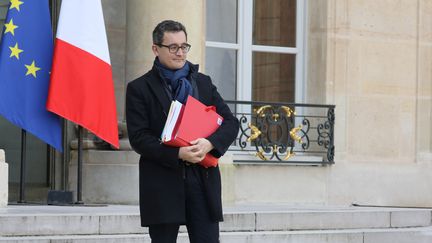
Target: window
[{"x": 254, "y": 49}]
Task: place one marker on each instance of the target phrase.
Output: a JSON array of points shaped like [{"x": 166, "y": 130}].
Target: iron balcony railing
[{"x": 284, "y": 133}]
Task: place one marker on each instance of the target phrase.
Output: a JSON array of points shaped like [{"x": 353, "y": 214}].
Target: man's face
[{"x": 170, "y": 60}]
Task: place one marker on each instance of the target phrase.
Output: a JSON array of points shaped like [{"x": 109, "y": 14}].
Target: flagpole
[
  {"x": 64, "y": 170},
  {"x": 65, "y": 166},
  {"x": 79, "y": 167},
  {"x": 23, "y": 166},
  {"x": 54, "y": 21}
]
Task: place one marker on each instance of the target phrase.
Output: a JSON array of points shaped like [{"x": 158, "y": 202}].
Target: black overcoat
[{"x": 161, "y": 173}]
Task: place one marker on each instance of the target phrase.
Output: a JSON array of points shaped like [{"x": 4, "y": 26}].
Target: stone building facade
[{"x": 372, "y": 59}]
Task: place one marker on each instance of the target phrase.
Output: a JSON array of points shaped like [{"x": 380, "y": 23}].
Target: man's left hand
[{"x": 203, "y": 145}]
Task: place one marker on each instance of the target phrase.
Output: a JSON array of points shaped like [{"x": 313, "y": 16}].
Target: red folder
[{"x": 196, "y": 120}]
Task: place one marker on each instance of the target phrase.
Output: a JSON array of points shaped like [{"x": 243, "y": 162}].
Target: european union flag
[{"x": 25, "y": 64}]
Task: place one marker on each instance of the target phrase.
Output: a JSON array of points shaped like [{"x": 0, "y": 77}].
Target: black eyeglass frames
[{"x": 173, "y": 48}]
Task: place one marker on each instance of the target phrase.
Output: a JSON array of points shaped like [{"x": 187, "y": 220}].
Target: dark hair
[{"x": 167, "y": 26}]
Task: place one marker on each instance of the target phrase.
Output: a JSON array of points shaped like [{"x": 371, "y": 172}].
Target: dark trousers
[{"x": 198, "y": 223}]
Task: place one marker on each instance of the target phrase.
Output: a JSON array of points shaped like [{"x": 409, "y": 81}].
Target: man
[{"x": 174, "y": 188}]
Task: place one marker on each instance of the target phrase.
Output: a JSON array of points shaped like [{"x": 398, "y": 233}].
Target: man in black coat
[{"x": 174, "y": 188}]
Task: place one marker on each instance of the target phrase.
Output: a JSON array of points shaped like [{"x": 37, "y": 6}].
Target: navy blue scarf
[{"x": 180, "y": 86}]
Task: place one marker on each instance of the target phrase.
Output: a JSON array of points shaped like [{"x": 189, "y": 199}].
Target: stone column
[
  {"x": 3, "y": 180},
  {"x": 143, "y": 16},
  {"x": 115, "y": 24},
  {"x": 424, "y": 84}
]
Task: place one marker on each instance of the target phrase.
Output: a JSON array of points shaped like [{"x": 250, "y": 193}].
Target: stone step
[
  {"x": 411, "y": 235},
  {"x": 112, "y": 219}
]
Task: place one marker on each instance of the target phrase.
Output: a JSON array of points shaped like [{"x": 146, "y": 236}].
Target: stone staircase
[{"x": 243, "y": 224}]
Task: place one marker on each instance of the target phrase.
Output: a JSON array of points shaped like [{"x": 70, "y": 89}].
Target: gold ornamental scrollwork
[
  {"x": 260, "y": 155},
  {"x": 286, "y": 132},
  {"x": 289, "y": 155},
  {"x": 260, "y": 111},
  {"x": 294, "y": 136},
  {"x": 255, "y": 133},
  {"x": 289, "y": 112}
]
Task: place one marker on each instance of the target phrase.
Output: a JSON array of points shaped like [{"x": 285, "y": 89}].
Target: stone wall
[
  {"x": 373, "y": 60},
  {"x": 3, "y": 180}
]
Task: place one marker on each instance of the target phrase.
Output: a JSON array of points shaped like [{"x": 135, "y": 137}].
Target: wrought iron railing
[{"x": 284, "y": 132}]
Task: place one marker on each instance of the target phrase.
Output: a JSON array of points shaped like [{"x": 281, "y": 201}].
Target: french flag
[{"x": 81, "y": 87}]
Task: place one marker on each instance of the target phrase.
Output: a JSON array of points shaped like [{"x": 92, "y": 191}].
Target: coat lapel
[{"x": 159, "y": 91}]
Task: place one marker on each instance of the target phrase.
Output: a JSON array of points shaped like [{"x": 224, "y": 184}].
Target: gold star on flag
[
  {"x": 15, "y": 4},
  {"x": 15, "y": 51},
  {"x": 10, "y": 27},
  {"x": 32, "y": 69}
]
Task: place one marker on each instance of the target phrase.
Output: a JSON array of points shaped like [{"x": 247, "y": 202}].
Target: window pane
[
  {"x": 221, "y": 65},
  {"x": 273, "y": 77},
  {"x": 274, "y": 23},
  {"x": 221, "y": 20}
]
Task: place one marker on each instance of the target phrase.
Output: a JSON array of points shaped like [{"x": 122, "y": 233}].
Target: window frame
[{"x": 244, "y": 49}]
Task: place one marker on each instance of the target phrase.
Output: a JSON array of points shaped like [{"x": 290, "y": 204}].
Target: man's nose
[{"x": 179, "y": 51}]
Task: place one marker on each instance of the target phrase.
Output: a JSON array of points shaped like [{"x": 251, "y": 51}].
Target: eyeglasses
[{"x": 173, "y": 48}]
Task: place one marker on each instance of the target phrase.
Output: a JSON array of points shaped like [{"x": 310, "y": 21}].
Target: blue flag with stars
[{"x": 25, "y": 62}]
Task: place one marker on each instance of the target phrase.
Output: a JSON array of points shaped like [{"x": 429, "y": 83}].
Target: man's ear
[{"x": 155, "y": 50}]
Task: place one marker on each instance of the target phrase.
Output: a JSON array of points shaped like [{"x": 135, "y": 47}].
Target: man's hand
[{"x": 197, "y": 151}]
